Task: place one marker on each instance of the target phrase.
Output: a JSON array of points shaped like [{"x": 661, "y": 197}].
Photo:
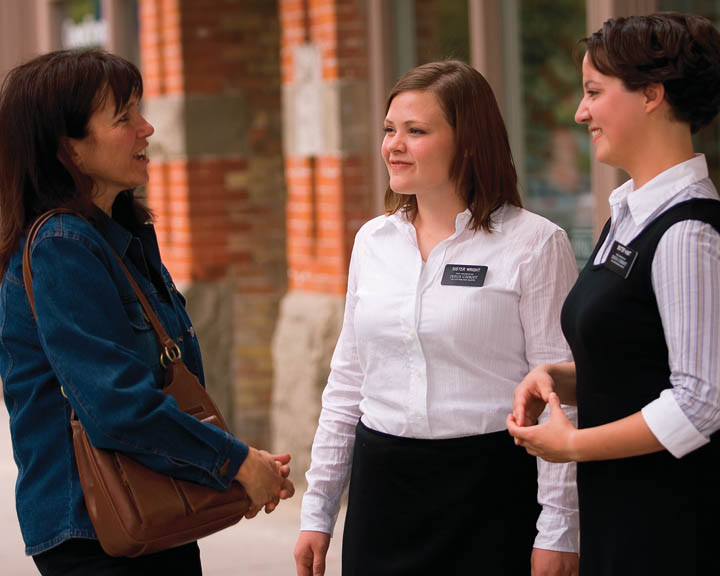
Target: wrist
[
  {"x": 575, "y": 445},
  {"x": 549, "y": 369},
  {"x": 243, "y": 473}
]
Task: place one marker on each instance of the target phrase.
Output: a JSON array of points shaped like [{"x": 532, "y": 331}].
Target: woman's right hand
[
  {"x": 265, "y": 479},
  {"x": 531, "y": 396},
  {"x": 310, "y": 552}
]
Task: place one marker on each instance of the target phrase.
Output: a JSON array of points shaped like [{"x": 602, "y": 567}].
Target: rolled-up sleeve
[{"x": 685, "y": 278}]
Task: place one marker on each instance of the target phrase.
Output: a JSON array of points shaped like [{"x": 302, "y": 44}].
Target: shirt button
[
  {"x": 418, "y": 373},
  {"x": 419, "y": 416}
]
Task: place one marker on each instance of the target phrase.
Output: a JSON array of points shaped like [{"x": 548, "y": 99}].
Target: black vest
[{"x": 649, "y": 515}]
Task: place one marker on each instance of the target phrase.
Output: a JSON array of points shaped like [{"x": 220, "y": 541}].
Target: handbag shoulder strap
[
  {"x": 26, "y": 263},
  {"x": 170, "y": 350}
]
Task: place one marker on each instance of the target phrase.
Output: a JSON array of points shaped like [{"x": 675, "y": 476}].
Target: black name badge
[
  {"x": 461, "y": 275},
  {"x": 621, "y": 259}
]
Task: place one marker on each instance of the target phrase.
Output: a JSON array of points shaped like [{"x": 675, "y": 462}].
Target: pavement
[{"x": 262, "y": 546}]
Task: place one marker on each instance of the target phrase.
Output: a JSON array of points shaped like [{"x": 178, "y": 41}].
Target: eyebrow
[{"x": 411, "y": 121}]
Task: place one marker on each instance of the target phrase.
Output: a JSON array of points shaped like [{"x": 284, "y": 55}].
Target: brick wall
[
  {"x": 328, "y": 193},
  {"x": 212, "y": 87},
  {"x": 426, "y": 31}
]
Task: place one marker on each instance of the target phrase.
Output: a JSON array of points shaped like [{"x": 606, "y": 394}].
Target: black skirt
[
  {"x": 457, "y": 506},
  {"x": 79, "y": 557}
]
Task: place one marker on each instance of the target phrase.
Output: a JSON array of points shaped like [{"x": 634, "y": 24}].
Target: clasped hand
[
  {"x": 265, "y": 478},
  {"x": 552, "y": 440}
]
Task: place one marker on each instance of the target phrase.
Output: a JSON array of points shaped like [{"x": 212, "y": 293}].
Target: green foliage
[
  {"x": 550, "y": 30},
  {"x": 79, "y": 9},
  {"x": 454, "y": 30}
]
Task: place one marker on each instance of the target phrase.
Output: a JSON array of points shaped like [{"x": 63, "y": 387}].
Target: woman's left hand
[{"x": 552, "y": 440}]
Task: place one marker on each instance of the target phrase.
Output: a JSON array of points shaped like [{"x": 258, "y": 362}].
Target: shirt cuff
[
  {"x": 229, "y": 460},
  {"x": 315, "y": 516},
  {"x": 558, "y": 532},
  {"x": 671, "y": 426}
]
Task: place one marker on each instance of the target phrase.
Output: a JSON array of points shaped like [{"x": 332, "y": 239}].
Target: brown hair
[
  {"x": 483, "y": 168},
  {"x": 680, "y": 51},
  {"x": 43, "y": 103}
]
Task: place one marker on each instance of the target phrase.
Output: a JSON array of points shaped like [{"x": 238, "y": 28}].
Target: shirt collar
[
  {"x": 645, "y": 201},
  {"x": 114, "y": 233},
  {"x": 400, "y": 220}
]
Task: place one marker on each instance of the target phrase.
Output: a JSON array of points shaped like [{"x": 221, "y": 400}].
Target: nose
[
  {"x": 582, "y": 114},
  {"x": 146, "y": 129},
  {"x": 395, "y": 142}
]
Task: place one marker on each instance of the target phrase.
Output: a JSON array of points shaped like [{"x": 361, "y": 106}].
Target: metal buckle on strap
[{"x": 170, "y": 355}]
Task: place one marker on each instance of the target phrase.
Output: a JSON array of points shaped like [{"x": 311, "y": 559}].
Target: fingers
[
  {"x": 319, "y": 565},
  {"x": 310, "y": 552},
  {"x": 518, "y": 407},
  {"x": 303, "y": 560},
  {"x": 270, "y": 506},
  {"x": 264, "y": 476},
  {"x": 252, "y": 512},
  {"x": 287, "y": 490},
  {"x": 520, "y": 434},
  {"x": 282, "y": 458},
  {"x": 554, "y": 403}
]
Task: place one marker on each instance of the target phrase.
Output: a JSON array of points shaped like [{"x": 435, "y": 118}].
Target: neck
[
  {"x": 435, "y": 219},
  {"x": 663, "y": 151},
  {"x": 437, "y": 213},
  {"x": 105, "y": 201}
]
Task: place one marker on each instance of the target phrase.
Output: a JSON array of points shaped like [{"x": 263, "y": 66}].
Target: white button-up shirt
[
  {"x": 421, "y": 359},
  {"x": 686, "y": 279}
]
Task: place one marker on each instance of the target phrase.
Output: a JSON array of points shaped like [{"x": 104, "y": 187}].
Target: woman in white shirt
[
  {"x": 453, "y": 296},
  {"x": 642, "y": 319}
]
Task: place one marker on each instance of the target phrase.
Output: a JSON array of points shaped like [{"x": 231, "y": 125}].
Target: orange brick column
[
  {"x": 212, "y": 90},
  {"x": 328, "y": 177}
]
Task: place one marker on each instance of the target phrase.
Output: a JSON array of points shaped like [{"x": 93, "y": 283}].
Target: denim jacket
[{"x": 93, "y": 339}]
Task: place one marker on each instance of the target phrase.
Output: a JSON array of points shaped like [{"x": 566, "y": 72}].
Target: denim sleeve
[{"x": 89, "y": 342}]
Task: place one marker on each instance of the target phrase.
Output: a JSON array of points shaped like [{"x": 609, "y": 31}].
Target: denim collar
[{"x": 139, "y": 245}]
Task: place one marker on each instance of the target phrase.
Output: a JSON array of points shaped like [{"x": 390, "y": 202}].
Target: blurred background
[{"x": 265, "y": 159}]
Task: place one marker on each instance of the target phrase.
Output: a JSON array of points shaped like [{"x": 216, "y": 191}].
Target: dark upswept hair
[
  {"x": 482, "y": 168},
  {"x": 680, "y": 51},
  {"x": 43, "y": 103}
]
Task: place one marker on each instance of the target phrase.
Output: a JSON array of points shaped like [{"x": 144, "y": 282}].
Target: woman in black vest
[{"x": 643, "y": 319}]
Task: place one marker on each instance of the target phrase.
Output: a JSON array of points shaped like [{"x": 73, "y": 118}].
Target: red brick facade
[
  {"x": 329, "y": 194},
  {"x": 221, "y": 211}
]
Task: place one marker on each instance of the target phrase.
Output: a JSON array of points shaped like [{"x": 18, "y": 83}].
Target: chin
[{"x": 401, "y": 191}]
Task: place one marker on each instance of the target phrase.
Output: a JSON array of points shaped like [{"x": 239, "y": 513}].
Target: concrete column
[
  {"x": 328, "y": 137},
  {"x": 212, "y": 91}
]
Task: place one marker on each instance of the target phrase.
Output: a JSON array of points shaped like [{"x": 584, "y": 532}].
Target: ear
[
  {"x": 70, "y": 156},
  {"x": 68, "y": 153},
  {"x": 654, "y": 96}
]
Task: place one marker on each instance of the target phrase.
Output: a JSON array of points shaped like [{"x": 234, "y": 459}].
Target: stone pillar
[
  {"x": 327, "y": 142},
  {"x": 212, "y": 91}
]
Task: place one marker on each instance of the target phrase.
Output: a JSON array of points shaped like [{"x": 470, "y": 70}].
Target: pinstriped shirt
[{"x": 686, "y": 282}]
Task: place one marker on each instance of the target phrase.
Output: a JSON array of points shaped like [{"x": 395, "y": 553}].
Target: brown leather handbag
[{"x": 133, "y": 509}]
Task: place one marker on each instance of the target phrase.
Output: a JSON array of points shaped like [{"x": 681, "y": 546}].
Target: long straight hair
[
  {"x": 43, "y": 103},
  {"x": 482, "y": 169}
]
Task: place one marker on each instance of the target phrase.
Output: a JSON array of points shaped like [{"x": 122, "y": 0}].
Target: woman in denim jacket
[{"x": 71, "y": 134}]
